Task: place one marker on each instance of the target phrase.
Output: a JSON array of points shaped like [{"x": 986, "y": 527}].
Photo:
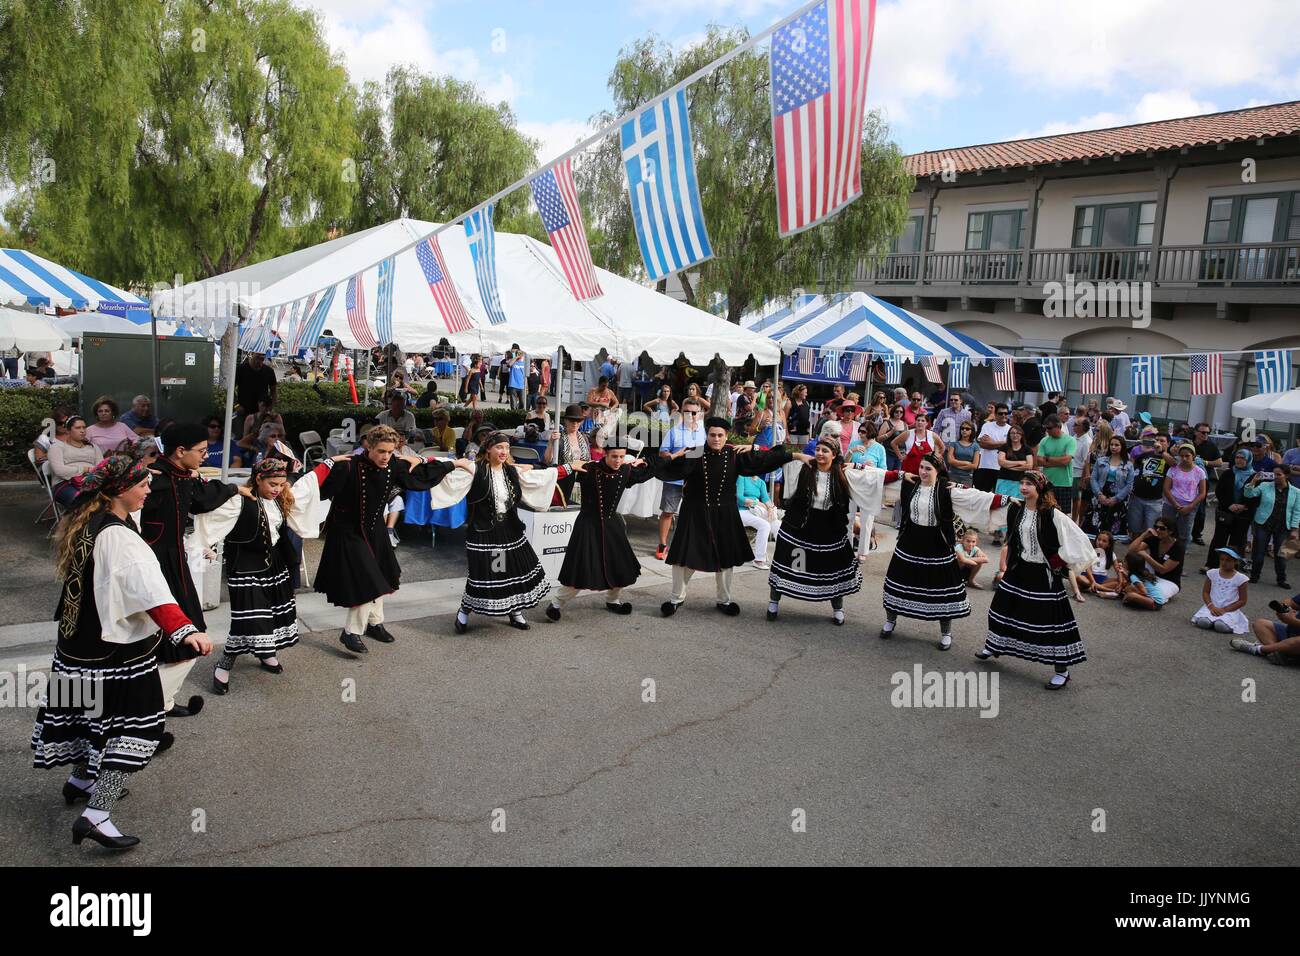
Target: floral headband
[
  {"x": 270, "y": 468},
  {"x": 114, "y": 475}
]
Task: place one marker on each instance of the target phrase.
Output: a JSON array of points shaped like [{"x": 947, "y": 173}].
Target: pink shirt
[
  {"x": 107, "y": 439},
  {"x": 1185, "y": 484}
]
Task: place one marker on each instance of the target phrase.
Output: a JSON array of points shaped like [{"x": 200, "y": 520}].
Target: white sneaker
[
  {"x": 392, "y": 537},
  {"x": 1244, "y": 644}
]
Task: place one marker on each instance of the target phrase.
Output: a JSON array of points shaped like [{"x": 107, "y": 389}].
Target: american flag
[
  {"x": 1004, "y": 374},
  {"x": 662, "y": 188},
  {"x": 454, "y": 316},
  {"x": 807, "y": 361},
  {"x": 893, "y": 368},
  {"x": 931, "y": 366},
  {"x": 557, "y": 201},
  {"x": 1273, "y": 370},
  {"x": 1146, "y": 375},
  {"x": 355, "y": 302},
  {"x": 1049, "y": 374},
  {"x": 482, "y": 236},
  {"x": 1093, "y": 378},
  {"x": 384, "y": 301},
  {"x": 860, "y": 367},
  {"x": 1207, "y": 373},
  {"x": 819, "y": 64},
  {"x": 959, "y": 371}
]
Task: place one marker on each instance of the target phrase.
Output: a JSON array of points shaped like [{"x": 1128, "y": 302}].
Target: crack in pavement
[{"x": 623, "y": 762}]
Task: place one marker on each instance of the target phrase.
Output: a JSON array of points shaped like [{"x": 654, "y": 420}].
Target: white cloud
[
  {"x": 1170, "y": 104},
  {"x": 557, "y": 137}
]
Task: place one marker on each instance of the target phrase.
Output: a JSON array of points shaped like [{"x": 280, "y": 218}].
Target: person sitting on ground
[
  {"x": 1277, "y": 641},
  {"x": 1103, "y": 579},
  {"x": 1143, "y": 589},
  {"x": 1224, "y": 593},
  {"x": 970, "y": 558},
  {"x": 1159, "y": 547},
  {"x": 107, "y": 433}
]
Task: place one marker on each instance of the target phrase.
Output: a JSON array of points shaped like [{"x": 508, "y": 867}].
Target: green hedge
[{"x": 303, "y": 406}]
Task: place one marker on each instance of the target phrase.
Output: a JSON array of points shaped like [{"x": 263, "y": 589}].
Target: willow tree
[
  {"x": 149, "y": 138},
  {"x": 433, "y": 147},
  {"x": 731, "y": 118}
]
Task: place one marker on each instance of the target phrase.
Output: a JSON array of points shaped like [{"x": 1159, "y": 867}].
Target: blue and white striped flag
[
  {"x": 482, "y": 237},
  {"x": 315, "y": 323},
  {"x": 959, "y": 371},
  {"x": 830, "y": 359},
  {"x": 1049, "y": 373},
  {"x": 662, "y": 188},
  {"x": 1146, "y": 375},
  {"x": 893, "y": 367},
  {"x": 1273, "y": 370},
  {"x": 384, "y": 304}
]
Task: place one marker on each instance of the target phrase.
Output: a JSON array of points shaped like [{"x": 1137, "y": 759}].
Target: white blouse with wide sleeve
[
  {"x": 128, "y": 582},
  {"x": 975, "y": 507}
]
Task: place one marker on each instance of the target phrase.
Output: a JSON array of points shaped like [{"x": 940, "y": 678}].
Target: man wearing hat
[
  {"x": 710, "y": 536},
  {"x": 744, "y": 408},
  {"x": 1120, "y": 421},
  {"x": 175, "y": 493},
  {"x": 599, "y": 557}
]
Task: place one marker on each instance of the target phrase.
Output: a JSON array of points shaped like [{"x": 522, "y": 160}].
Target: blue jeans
[{"x": 1142, "y": 514}]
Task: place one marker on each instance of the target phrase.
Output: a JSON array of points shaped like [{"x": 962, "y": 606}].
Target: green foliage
[
  {"x": 154, "y": 137},
  {"x": 731, "y": 123},
  {"x": 431, "y": 148},
  {"x": 21, "y": 412}
]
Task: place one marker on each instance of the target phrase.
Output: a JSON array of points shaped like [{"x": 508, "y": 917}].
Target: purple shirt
[{"x": 1185, "y": 484}]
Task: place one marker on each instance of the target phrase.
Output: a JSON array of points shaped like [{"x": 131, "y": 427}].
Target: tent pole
[
  {"x": 229, "y": 356},
  {"x": 366, "y": 400},
  {"x": 776, "y": 408},
  {"x": 153, "y": 334}
]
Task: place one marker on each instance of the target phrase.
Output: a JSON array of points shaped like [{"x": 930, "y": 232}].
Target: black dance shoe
[
  {"x": 72, "y": 793},
  {"x": 271, "y": 668},
  {"x": 518, "y": 624},
  {"x": 1053, "y": 685},
  {"x": 730, "y": 609},
  {"x": 461, "y": 626},
  {"x": 552, "y": 612},
  {"x": 83, "y": 828},
  {"x": 623, "y": 608},
  {"x": 984, "y": 654},
  {"x": 353, "y": 643},
  {"x": 668, "y": 608},
  {"x": 165, "y": 742},
  {"x": 188, "y": 709},
  {"x": 771, "y": 615},
  {"x": 220, "y": 688},
  {"x": 377, "y": 632},
  {"x": 886, "y": 634}
]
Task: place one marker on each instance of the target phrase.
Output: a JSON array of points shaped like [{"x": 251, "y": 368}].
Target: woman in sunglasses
[{"x": 1160, "y": 548}]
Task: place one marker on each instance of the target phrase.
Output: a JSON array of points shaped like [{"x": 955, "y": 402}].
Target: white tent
[
  {"x": 540, "y": 309},
  {"x": 1270, "y": 406},
  {"x": 30, "y": 332}
]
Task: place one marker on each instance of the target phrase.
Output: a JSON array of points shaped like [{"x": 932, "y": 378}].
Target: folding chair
[
  {"x": 52, "y": 509},
  {"x": 313, "y": 449},
  {"x": 522, "y": 453}
]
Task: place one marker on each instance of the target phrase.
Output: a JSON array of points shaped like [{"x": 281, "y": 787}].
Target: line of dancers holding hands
[{"x": 130, "y": 621}]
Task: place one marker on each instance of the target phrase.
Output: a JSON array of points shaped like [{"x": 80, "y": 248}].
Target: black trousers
[{"x": 986, "y": 479}]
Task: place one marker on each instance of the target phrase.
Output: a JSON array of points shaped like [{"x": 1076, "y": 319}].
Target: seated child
[
  {"x": 1143, "y": 589},
  {"x": 970, "y": 558},
  {"x": 1103, "y": 578},
  {"x": 1224, "y": 594}
]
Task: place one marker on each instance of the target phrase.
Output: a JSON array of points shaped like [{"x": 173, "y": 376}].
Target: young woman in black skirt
[
  {"x": 504, "y": 577},
  {"x": 1030, "y": 616},
  {"x": 814, "y": 559},
  {"x": 104, "y": 709}
]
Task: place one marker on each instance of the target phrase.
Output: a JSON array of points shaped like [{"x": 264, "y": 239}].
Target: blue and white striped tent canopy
[
  {"x": 858, "y": 322},
  {"x": 29, "y": 280}
]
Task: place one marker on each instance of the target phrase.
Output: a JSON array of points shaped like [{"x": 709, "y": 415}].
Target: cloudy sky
[{"x": 946, "y": 72}]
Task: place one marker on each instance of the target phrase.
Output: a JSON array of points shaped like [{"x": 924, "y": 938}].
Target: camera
[{"x": 1277, "y": 606}]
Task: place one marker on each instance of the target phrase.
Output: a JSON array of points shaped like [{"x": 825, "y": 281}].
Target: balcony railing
[{"x": 1218, "y": 265}]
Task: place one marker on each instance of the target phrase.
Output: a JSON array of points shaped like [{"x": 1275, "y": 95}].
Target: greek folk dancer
[
  {"x": 1030, "y": 616},
  {"x": 709, "y": 535},
  {"x": 358, "y": 565},
  {"x": 504, "y": 577},
  {"x": 177, "y": 492},
  {"x": 924, "y": 581},
  {"x": 115, "y": 611},
  {"x": 599, "y": 557},
  {"x": 258, "y": 558},
  {"x": 814, "y": 558}
]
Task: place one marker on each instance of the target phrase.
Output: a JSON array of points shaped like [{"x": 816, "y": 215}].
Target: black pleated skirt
[
  {"x": 504, "y": 573},
  {"x": 815, "y": 562},
  {"x": 923, "y": 580},
  {"x": 1030, "y": 617},
  {"x": 263, "y": 612},
  {"x": 599, "y": 556},
  {"x": 108, "y": 716}
]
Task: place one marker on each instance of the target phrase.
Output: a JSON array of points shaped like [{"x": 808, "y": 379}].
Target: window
[
  {"x": 1251, "y": 220},
  {"x": 1174, "y": 403},
  {"x": 1002, "y": 229},
  {"x": 1115, "y": 224},
  {"x": 909, "y": 240},
  {"x": 1218, "y": 225}
]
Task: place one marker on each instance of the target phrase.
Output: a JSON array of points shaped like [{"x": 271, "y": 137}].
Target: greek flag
[
  {"x": 830, "y": 359},
  {"x": 662, "y": 188},
  {"x": 1049, "y": 373},
  {"x": 384, "y": 307},
  {"x": 893, "y": 367},
  {"x": 1146, "y": 375},
  {"x": 959, "y": 372},
  {"x": 1273, "y": 370},
  {"x": 315, "y": 323},
  {"x": 482, "y": 238}
]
